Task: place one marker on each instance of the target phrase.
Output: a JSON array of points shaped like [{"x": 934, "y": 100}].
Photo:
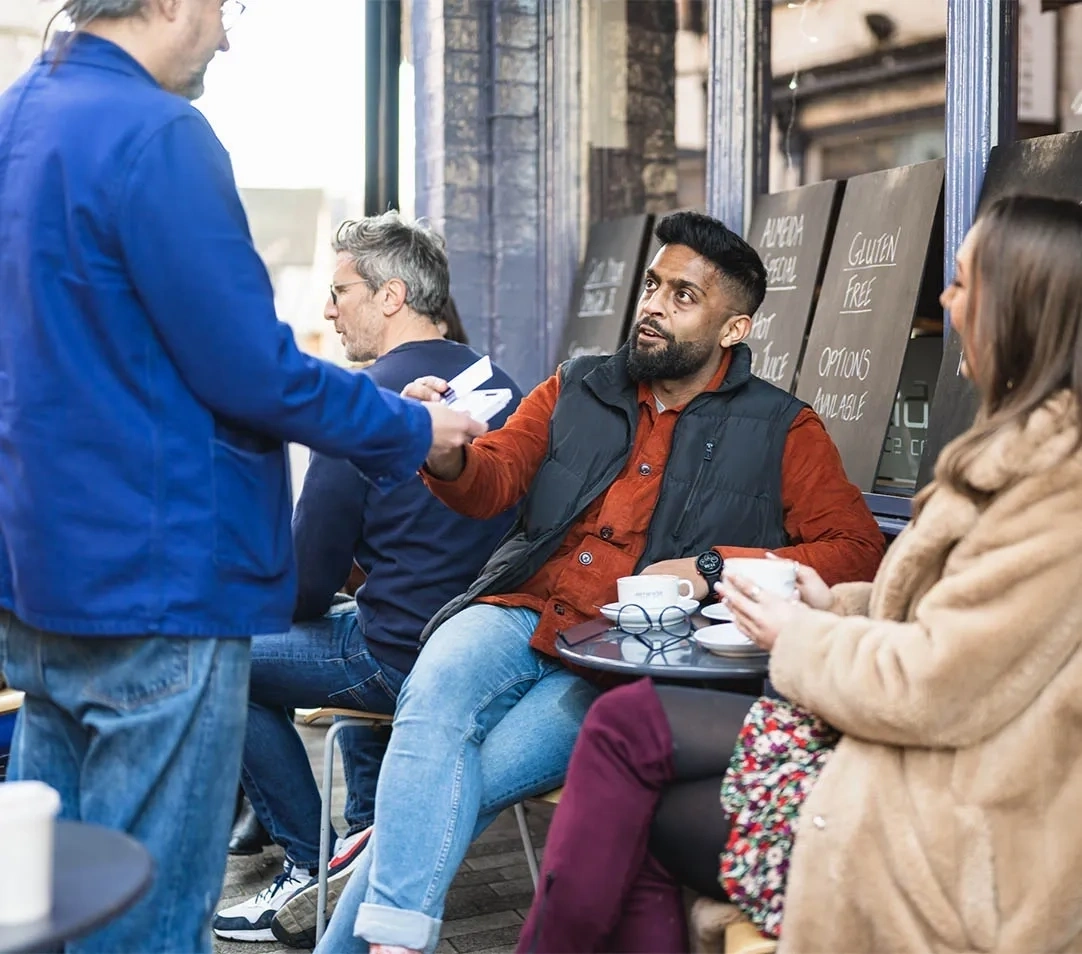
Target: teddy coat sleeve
[
  {"x": 977, "y": 647},
  {"x": 851, "y": 599}
]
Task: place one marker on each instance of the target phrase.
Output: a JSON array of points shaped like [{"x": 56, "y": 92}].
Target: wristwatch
[{"x": 709, "y": 565}]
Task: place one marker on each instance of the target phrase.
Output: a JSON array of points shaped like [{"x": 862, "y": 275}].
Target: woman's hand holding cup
[{"x": 810, "y": 587}]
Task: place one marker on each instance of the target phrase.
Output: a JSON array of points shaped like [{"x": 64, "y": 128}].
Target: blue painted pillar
[
  {"x": 738, "y": 108},
  {"x": 981, "y": 96}
]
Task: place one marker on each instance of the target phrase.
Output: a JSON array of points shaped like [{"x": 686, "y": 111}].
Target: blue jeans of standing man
[
  {"x": 324, "y": 662},
  {"x": 482, "y": 722},
  {"x": 142, "y": 735}
]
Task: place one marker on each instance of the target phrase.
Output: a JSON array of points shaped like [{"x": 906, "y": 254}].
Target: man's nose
[
  {"x": 652, "y": 303},
  {"x": 330, "y": 310},
  {"x": 223, "y": 47}
]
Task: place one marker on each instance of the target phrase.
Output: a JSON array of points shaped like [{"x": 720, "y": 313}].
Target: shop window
[{"x": 644, "y": 81}]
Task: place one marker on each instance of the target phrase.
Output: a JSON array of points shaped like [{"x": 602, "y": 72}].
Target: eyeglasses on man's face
[
  {"x": 231, "y": 13},
  {"x": 337, "y": 289}
]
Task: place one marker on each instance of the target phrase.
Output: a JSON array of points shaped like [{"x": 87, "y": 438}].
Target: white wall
[{"x": 22, "y": 24}]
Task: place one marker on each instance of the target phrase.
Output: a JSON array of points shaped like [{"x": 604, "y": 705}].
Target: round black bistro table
[
  {"x": 97, "y": 874},
  {"x": 662, "y": 656}
]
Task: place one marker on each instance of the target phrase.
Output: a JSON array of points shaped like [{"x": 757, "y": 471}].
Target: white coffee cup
[
  {"x": 773, "y": 576},
  {"x": 28, "y": 813},
  {"x": 652, "y": 591}
]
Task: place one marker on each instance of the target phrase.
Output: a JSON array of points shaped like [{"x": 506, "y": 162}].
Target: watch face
[{"x": 708, "y": 562}]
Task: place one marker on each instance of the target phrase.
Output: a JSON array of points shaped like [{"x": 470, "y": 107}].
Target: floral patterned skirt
[{"x": 779, "y": 754}]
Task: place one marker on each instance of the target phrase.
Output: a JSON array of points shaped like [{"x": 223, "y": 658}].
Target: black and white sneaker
[
  {"x": 251, "y": 920},
  {"x": 295, "y": 923}
]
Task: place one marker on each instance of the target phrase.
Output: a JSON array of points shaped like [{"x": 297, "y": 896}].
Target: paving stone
[
  {"x": 466, "y": 877},
  {"x": 484, "y": 922},
  {"x": 499, "y": 860},
  {"x": 514, "y": 872},
  {"x": 513, "y": 886},
  {"x": 505, "y": 938},
  {"x": 496, "y": 846}
]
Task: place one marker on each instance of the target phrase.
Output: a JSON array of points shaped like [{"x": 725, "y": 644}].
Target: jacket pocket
[{"x": 251, "y": 513}]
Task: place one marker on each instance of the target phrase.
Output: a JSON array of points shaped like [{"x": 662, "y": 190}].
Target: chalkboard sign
[
  {"x": 863, "y": 319},
  {"x": 607, "y": 286},
  {"x": 1050, "y": 165},
  {"x": 790, "y": 231}
]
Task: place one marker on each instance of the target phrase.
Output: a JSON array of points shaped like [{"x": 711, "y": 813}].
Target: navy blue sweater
[{"x": 417, "y": 553}]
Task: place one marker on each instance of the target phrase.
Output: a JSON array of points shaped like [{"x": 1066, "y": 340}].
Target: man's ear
[
  {"x": 394, "y": 297},
  {"x": 169, "y": 9},
  {"x": 735, "y": 330}
]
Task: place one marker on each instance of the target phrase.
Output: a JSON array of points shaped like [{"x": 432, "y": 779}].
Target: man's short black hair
[{"x": 737, "y": 262}]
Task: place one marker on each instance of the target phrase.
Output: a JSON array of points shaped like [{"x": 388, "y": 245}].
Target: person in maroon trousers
[{"x": 639, "y": 817}]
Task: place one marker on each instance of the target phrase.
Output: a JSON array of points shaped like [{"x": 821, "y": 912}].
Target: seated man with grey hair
[{"x": 388, "y": 294}]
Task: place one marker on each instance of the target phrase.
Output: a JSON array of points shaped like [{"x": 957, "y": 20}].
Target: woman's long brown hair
[{"x": 1024, "y": 320}]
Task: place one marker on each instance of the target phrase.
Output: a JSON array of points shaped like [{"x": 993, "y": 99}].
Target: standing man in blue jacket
[
  {"x": 388, "y": 293},
  {"x": 146, "y": 390}
]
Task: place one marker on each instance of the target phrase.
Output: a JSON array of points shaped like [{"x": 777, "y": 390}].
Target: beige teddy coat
[{"x": 950, "y": 817}]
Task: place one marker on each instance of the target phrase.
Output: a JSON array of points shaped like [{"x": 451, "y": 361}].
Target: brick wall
[{"x": 478, "y": 69}]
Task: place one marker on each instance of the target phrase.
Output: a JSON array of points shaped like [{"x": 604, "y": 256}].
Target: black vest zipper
[{"x": 708, "y": 456}]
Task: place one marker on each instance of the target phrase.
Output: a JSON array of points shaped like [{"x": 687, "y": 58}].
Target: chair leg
[
  {"x": 527, "y": 843},
  {"x": 325, "y": 824}
]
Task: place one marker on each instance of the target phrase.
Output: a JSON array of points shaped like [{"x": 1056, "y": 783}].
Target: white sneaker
[
  {"x": 295, "y": 923},
  {"x": 251, "y": 920}
]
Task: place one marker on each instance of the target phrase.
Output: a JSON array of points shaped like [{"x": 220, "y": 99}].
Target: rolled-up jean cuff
[{"x": 379, "y": 924}]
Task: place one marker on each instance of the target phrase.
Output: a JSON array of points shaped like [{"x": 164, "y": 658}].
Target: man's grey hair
[
  {"x": 81, "y": 12},
  {"x": 388, "y": 246}
]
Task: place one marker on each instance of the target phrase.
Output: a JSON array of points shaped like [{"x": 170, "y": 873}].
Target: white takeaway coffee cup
[
  {"x": 774, "y": 576},
  {"x": 652, "y": 591},
  {"x": 28, "y": 813}
]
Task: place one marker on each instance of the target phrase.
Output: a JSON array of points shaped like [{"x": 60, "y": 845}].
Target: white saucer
[
  {"x": 725, "y": 640},
  {"x": 633, "y": 614},
  {"x": 717, "y": 611}
]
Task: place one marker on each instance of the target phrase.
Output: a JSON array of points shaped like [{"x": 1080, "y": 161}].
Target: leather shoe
[{"x": 249, "y": 836}]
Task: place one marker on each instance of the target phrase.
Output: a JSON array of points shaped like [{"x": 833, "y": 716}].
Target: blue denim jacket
[{"x": 146, "y": 386}]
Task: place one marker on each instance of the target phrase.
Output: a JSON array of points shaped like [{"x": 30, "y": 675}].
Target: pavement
[{"x": 488, "y": 899}]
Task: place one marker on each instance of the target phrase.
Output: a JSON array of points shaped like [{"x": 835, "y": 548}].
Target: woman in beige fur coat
[{"x": 949, "y": 818}]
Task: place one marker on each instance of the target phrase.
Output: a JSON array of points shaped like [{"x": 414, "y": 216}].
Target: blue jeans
[
  {"x": 482, "y": 721},
  {"x": 325, "y": 662},
  {"x": 142, "y": 735}
]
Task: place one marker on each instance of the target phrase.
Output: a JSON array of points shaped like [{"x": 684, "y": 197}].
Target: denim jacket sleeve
[{"x": 187, "y": 247}]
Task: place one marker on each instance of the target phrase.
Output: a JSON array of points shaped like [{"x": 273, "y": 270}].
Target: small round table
[
  {"x": 98, "y": 874},
  {"x": 661, "y": 656}
]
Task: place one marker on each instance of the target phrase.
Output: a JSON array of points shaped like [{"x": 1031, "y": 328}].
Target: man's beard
[
  {"x": 195, "y": 86},
  {"x": 674, "y": 361}
]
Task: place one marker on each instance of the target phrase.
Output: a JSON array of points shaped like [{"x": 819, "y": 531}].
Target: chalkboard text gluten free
[{"x": 866, "y": 254}]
